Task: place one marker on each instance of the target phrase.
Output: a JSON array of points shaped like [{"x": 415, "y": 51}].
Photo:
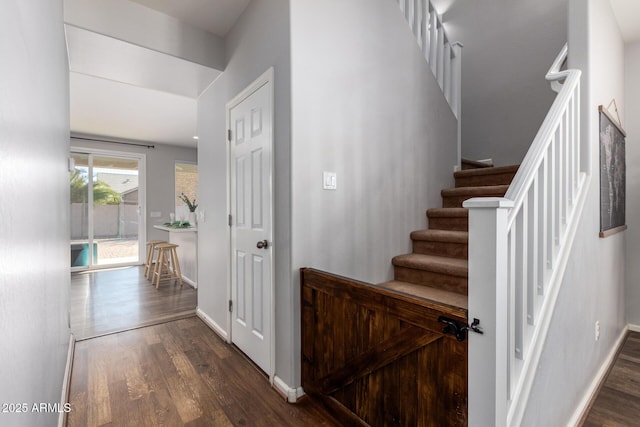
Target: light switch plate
[
  {"x": 329, "y": 181},
  {"x": 156, "y": 214}
]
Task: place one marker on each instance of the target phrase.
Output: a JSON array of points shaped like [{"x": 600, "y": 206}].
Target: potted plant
[{"x": 192, "y": 205}]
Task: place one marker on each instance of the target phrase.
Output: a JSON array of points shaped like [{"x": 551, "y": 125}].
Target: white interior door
[{"x": 250, "y": 125}]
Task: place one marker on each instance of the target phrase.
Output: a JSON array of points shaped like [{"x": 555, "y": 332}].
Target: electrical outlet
[{"x": 597, "y": 330}]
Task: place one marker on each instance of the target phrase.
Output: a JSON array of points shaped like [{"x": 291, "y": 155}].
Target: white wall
[
  {"x": 34, "y": 207},
  {"x": 593, "y": 286},
  {"x": 160, "y": 162},
  {"x": 259, "y": 40},
  {"x": 508, "y": 48},
  {"x": 365, "y": 106},
  {"x": 632, "y": 127}
]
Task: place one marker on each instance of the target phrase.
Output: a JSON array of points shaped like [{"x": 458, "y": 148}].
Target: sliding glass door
[{"x": 107, "y": 225}]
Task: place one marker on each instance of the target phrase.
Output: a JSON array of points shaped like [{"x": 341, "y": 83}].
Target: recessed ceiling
[
  {"x": 105, "y": 108},
  {"x": 121, "y": 90},
  {"x": 97, "y": 55},
  {"x": 215, "y": 16}
]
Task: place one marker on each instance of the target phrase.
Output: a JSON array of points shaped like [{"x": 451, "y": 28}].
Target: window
[{"x": 187, "y": 183}]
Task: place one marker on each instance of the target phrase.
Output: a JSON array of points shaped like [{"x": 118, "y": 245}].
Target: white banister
[
  {"x": 442, "y": 55},
  {"x": 535, "y": 223}
]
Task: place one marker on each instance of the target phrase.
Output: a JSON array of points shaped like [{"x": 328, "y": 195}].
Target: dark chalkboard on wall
[{"x": 612, "y": 175}]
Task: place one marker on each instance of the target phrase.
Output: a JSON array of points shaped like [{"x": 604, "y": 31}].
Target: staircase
[{"x": 437, "y": 268}]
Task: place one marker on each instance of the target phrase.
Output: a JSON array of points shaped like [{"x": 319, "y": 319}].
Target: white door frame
[
  {"x": 267, "y": 78},
  {"x": 142, "y": 200}
]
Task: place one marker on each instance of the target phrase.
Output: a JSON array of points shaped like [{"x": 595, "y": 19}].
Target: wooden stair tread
[
  {"x": 437, "y": 264},
  {"x": 486, "y": 171},
  {"x": 441, "y": 236},
  {"x": 448, "y": 213},
  {"x": 475, "y": 191},
  {"x": 438, "y": 296}
]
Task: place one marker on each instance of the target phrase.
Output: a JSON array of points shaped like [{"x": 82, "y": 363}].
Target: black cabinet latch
[{"x": 459, "y": 329}]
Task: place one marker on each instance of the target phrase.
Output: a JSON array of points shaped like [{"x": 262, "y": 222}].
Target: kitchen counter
[
  {"x": 187, "y": 241},
  {"x": 176, "y": 230}
]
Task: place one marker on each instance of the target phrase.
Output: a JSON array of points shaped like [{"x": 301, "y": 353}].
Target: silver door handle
[{"x": 263, "y": 244}]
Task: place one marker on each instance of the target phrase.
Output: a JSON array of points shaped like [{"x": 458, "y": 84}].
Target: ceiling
[
  {"x": 215, "y": 16},
  {"x": 628, "y": 16},
  {"x": 124, "y": 91},
  {"x": 120, "y": 90}
]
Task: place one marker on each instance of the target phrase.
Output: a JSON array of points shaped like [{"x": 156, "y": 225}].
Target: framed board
[{"x": 612, "y": 175}]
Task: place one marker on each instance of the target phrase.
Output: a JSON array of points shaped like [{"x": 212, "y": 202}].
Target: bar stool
[
  {"x": 151, "y": 258},
  {"x": 167, "y": 265}
]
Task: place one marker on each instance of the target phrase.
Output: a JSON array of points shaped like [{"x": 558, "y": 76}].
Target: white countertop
[{"x": 176, "y": 230}]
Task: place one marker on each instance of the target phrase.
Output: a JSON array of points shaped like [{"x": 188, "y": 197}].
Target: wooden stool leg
[
  {"x": 160, "y": 263},
  {"x": 176, "y": 266},
  {"x": 147, "y": 264}
]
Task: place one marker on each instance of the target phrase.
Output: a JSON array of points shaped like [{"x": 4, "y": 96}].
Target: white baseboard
[
  {"x": 634, "y": 328},
  {"x": 292, "y": 394},
  {"x": 66, "y": 381},
  {"x": 212, "y": 324},
  {"x": 583, "y": 406}
]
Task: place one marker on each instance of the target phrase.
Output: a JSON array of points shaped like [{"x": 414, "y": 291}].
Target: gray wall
[
  {"x": 34, "y": 207},
  {"x": 360, "y": 109},
  {"x": 508, "y": 48},
  {"x": 259, "y": 40},
  {"x": 365, "y": 106},
  {"x": 632, "y": 126},
  {"x": 593, "y": 285},
  {"x": 160, "y": 176}
]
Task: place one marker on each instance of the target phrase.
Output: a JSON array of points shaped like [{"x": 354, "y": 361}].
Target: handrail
[
  {"x": 554, "y": 74},
  {"x": 518, "y": 250}
]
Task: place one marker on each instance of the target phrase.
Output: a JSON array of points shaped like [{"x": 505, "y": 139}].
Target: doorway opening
[{"x": 107, "y": 218}]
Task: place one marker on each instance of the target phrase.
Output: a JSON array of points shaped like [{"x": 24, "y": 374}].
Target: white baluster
[
  {"x": 446, "y": 75},
  {"x": 521, "y": 280},
  {"x": 440, "y": 59},
  {"x": 424, "y": 27},
  {"x": 551, "y": 199},
  {"x": 543, "y": 189},
  {"x": 433, "y": 41},
  {"x": 532, "y": 252}
]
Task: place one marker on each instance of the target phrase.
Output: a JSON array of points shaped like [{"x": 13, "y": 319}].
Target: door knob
[{"x": 263, "y": 244}]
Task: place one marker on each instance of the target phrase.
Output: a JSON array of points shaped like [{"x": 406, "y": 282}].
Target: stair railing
[
  {"x": 442, "y": 55},
  {"x": 518, "y": 250}
]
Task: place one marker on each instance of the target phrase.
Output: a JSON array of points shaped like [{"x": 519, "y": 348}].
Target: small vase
[{"x": 192, "y": 219}]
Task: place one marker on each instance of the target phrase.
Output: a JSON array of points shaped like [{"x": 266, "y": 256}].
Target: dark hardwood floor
[
  {"x": 112, "y": 300},
  {"x": 618, "y": 401},
  {"x": 177, "y": 373}
]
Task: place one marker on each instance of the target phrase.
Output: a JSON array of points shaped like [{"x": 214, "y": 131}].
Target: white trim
[
  {"x": 539, "y": 338},
  {"x": 634, "y": 328},
  {"x": 292, "y": 394},
  {"x": 591, "y": 391},
  {"x": 66, "y": 381},
  {"x": 267, "y": 78},
  {"x": 142, "y": 203},
  {"x": 212, "y": 324}
]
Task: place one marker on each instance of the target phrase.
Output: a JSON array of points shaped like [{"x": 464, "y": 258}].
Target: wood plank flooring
[
  {"x": 618, "y": 401},
  {"x": 106, "y": 301},
  {"x": 177, "y": 373}
]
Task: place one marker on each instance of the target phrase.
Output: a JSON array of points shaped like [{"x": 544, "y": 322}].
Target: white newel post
[{"x": 488, "y": 300}]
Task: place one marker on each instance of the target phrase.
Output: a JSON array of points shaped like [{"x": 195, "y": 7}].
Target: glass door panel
[
  {"x": 105, "y": 222},
  {"x": 79, "y": 191},
  {"x": 115, "y": 210}
]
